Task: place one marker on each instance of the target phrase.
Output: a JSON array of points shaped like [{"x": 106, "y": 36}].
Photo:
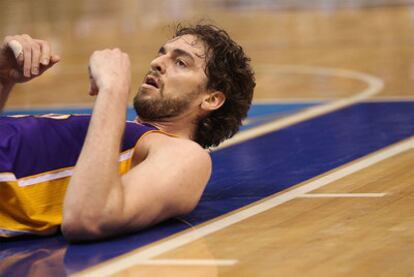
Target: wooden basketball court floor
[{"x": 320, "y": 180}]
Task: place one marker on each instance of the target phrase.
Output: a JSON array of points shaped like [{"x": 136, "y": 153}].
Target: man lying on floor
[{"x": 97, "y": 176}]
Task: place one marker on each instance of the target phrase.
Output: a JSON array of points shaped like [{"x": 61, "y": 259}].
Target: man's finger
[
  {"x": 27, "y": 63},
  {"x": 36, "y": 54},
  {"x": 55, "y": 58},
  {"x": 45, "y": 52}
]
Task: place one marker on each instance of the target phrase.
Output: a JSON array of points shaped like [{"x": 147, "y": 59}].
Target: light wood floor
[{"x": 327, "y": 236}]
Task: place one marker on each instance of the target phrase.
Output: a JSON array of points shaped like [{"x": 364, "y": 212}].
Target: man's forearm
[
  {"x": 5, "y": 89},
  {"x": 94, "y": 199},
  {"x": 95, "y": 191}
]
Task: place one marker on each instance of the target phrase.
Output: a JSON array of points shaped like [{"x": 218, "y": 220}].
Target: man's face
[{"x": 175, "y": 82}]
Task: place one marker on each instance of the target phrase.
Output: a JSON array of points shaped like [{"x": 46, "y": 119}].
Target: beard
[{"x": 160, "y": 107}]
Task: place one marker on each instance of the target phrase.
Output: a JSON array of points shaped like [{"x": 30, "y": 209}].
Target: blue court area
[{"x": 242, "y": 174}]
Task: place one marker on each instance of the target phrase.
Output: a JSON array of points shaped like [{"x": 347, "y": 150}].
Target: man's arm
[
  {"x": 168, "y": 183},
  {"x": 100, "y": 203},
  {"x": 22, "y": 58}
]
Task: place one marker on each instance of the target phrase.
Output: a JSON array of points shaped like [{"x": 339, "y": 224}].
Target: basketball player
[{"x": 97, "y": 176}]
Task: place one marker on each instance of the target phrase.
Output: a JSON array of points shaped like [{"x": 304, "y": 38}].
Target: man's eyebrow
[
  {"x": 181, "y": 52},
  {"x": 178, "y": 52}
]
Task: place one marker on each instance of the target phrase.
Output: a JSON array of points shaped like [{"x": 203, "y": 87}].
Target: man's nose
[{"x": 158, "y": 64}]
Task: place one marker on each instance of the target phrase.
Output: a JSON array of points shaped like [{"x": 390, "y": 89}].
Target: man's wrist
[{"x": 116, "y": 89}]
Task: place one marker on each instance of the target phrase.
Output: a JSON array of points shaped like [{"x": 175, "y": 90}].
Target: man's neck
[{"x": 181, "y": 127}]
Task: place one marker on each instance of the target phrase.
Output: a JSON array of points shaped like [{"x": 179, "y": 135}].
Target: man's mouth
[{"x": 151, "y": 81}]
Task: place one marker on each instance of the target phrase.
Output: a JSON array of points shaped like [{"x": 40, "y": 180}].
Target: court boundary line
[
  {"x": 190, "y": 262},
  {"x": 344, "y": 195},
  {"x": 127, "y": 260}
]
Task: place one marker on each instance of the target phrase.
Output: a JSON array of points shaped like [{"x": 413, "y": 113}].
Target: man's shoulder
[
  {"x": 157, "y": 142},
  {"x": 165, "y": 141}
]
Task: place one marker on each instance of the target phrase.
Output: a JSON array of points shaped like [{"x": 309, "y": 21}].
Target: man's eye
[{"x": 180, "y": 63}]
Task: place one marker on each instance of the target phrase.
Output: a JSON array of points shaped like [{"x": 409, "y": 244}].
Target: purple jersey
[
  {"x": 30, "y": 145},
  {"x": 37, "y": 156}
]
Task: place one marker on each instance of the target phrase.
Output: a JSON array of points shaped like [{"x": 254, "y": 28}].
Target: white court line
[
  {"x": 341, "y": 195},
  {"x": 189, "y": 262},
  {"x": 112, "y": 267},
  {"x": 375, "y": 85}
]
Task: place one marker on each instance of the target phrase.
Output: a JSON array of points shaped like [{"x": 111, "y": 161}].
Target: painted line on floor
[
  {"x": 342, "y": 195},
  {"x": 189, "y": 262}
]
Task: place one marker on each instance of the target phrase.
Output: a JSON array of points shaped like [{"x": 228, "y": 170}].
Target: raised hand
[
  {"x": 23, "y": 58},
  {"x": 109, "y": 69}
]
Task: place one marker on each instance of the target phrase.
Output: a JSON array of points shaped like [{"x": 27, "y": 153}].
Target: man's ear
[{"x": 213, "y": 101}]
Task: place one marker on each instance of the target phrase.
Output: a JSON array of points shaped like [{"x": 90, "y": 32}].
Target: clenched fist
[
  {"x": 23, "y": 58},
  {"x": 109, "y": 69}
]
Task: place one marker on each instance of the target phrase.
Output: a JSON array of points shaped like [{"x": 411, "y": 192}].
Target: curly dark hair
[{"x": 228, "y": 70}]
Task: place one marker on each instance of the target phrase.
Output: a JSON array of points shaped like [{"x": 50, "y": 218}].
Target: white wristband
[{"x": 16, "y": 47}]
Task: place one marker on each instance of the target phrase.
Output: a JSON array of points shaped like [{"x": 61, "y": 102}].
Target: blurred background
[{"x": 373, "y": 37}]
